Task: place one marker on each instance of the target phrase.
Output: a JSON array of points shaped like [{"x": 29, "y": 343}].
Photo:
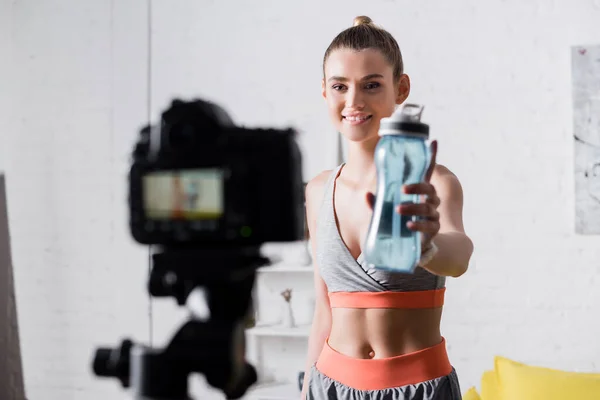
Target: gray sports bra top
[{"x": 342, "y": 273}]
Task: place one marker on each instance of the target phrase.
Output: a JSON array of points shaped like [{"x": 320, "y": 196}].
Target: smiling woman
[
  {"x": 360, "y": 88},
  {"x": 376, "y": 334}
]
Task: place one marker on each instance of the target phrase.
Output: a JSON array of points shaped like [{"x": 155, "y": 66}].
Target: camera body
[{"x": 198, "y": 179}]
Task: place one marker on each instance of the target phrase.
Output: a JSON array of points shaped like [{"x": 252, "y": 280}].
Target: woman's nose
[{"x": 354, "y": 99}]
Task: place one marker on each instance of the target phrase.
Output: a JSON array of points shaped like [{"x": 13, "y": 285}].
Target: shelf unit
[
  {"x": 279, "y": 331},
  {"x": 273, "y": 386}
]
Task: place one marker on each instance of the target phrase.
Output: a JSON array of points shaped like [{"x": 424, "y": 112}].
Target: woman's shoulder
[
  {"x": 446, "y": 182},
  {"x": 442, "y": 170},
  {"x": 316, "y": 186},
  {"x": 319, "y": 180},
  {"x": 443, "y": 173}
]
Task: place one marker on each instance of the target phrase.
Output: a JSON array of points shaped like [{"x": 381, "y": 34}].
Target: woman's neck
[{"x": 360, "y": 166}]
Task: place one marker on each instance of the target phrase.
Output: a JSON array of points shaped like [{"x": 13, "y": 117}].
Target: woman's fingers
[
  {"x": 421, "y": 209},
  {"x": 425, "y": 226},
  {"x": 423, "y": 188},
  {"x": 434, "y": 147}
]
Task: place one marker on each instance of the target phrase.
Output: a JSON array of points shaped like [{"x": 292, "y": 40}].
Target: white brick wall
[
  {"x": 77, "y": 86},
  {"x": 495, "y": 78}
]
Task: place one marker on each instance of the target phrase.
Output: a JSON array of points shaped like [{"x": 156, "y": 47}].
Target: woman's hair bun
[{"x": 362, "y": 20}]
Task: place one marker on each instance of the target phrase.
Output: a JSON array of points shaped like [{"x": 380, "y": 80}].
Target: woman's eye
[
  {"x": 372, "y": 85},
  {"x": 338, "y": 87}
]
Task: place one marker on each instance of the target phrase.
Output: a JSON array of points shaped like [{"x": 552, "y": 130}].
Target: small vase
[{"x": 287, "y": 316}]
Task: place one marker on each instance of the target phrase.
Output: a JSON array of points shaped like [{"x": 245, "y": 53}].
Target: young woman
[{"x": 375, "y": 334}]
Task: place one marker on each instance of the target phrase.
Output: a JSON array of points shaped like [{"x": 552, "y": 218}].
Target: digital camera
[{"x": 196, "y": 178}]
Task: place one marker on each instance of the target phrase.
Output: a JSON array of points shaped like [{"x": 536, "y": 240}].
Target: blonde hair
[{"x": 364, "y": 34}]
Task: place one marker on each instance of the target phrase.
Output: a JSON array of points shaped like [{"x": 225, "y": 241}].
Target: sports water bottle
[{"x": 402, "y": 156}]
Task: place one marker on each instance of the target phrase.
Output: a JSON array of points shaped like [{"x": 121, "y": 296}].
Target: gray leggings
[{"x": 321, "y": 387}]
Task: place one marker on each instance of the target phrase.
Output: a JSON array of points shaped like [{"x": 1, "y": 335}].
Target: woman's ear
[
  {"x": 323, "y": 90},
  {"x": 403, "y": 89}
]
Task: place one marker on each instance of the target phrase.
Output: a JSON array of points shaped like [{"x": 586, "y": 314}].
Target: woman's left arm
[
  {"x": 441, "y": 220},
  {"x": 454, "y": 246}
]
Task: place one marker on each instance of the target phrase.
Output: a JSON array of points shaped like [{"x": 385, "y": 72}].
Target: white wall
[
  {"x": 76, "y": 81},
  {"x": 495, "y": 78}
]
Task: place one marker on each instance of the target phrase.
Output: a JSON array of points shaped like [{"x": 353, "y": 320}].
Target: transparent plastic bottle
[{"x": 402, "y": 156}]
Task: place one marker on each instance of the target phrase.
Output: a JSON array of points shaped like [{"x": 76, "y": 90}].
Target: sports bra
[{"x": 352, "y": 283}]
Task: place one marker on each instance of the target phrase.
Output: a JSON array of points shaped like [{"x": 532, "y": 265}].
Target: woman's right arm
[{"x": 321, "y": 323}]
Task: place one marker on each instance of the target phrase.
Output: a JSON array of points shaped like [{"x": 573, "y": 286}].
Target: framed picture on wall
[{"x": 585, "y": 62}]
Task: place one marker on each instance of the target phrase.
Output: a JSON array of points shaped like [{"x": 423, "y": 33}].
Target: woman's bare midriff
[{"x": 383, "y": 333}]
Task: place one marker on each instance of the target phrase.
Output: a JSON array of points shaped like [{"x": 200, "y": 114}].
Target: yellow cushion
[
  {"x": 519, "y": 381},
  {"x": 471, "y": 394},
  {"x": 489, "y": 386}
]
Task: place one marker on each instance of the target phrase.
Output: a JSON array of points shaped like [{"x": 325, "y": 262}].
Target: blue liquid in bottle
[{"x": 402, "y": 156}]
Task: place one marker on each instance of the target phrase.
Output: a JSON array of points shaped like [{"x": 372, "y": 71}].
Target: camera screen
[{"x": 184, "y": 194}]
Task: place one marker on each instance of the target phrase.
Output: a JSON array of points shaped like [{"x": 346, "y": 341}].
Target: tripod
[{"x": 214, "y": 347}]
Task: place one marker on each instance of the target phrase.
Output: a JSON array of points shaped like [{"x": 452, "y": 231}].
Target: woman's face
[{"x": 359, "y": 89}]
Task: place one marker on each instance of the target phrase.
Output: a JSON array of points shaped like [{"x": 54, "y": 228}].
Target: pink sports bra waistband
[{"x": 412, "y": 299}]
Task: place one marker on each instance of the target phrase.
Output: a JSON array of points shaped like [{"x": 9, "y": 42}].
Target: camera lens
[
  {"x": 102, "y": 365},
  {"x": 114, "y": 363}
]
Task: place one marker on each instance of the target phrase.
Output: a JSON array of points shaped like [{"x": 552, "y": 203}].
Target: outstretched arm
[{"x": 454, "y": 246}]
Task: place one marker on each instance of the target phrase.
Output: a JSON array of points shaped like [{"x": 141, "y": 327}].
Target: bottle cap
[{"x": 406, "y": 121}]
